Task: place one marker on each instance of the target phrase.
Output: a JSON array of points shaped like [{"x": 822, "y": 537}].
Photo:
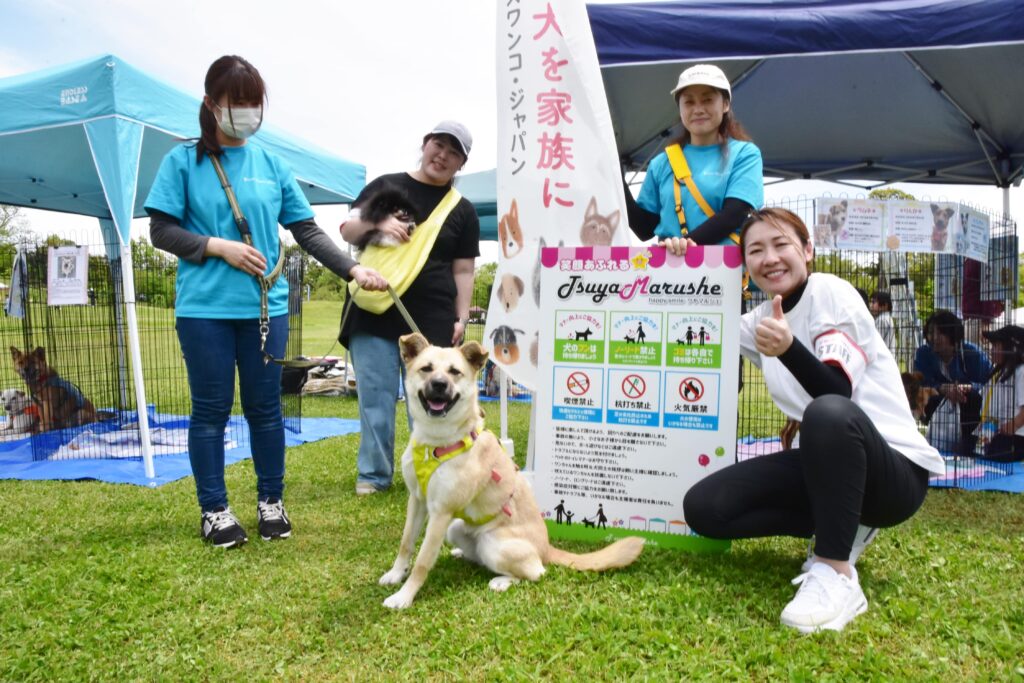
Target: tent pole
[{"x": 128, "y": 283}]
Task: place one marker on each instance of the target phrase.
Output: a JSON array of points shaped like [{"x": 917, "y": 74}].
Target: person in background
[
  {"x": 880, "y": 305},
  {"x": 1002, "y": 410},
  {"x": 703, "y": 185},
  {"x": 957, "y": 369},
  {"x": 218, "y": 300},
  {"x": 861, "y": 463},
  {"x": 433, "y": 275}
]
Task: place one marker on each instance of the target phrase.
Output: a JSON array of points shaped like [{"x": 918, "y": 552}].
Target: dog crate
[
  {"x": 919, "y": 284},
  {"x": 87, "y": 346}
]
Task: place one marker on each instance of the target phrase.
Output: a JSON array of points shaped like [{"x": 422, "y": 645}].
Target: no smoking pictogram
[
  {"x": 691, "y": 389},
  {"x": 634, "y": 386},
  {"x": 578, "y": 383}
]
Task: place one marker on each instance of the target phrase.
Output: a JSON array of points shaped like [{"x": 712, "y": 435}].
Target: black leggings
[{"x": 844, "y": 473}]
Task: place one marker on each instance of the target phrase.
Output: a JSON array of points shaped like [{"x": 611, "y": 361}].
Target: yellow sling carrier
[
  {"x": 402, "y": 264},
  {"x": 681, "y": 171}
]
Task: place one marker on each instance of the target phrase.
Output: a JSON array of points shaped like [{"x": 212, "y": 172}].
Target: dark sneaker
[
  {"x": 274, "y": 522},
  {"x": 221, "y": 528}
]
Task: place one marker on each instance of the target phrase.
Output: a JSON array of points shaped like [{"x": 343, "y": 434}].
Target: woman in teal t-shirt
[
  {"x": 725, "y": 168},
  {"x": 217, "y": 295}
]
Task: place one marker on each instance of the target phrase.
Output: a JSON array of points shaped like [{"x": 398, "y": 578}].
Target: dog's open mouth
[{"x": 436, "y": 405}]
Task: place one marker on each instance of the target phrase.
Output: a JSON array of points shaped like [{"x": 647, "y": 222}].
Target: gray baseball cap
[{"x": 457, "y": 131}]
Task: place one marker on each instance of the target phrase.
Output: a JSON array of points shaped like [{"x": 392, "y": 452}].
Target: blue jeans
[
  {"x": 379, "y": 368},
  {"x": 212, "y": 349}
]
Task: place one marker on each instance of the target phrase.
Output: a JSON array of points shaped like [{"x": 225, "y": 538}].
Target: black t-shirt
[{"x": 430, "y": 298}]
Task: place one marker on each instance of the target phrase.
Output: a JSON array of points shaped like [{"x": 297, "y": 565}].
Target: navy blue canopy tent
[
  {"x": 885, "y": 91},
  {"x": 87, "y": 138}
]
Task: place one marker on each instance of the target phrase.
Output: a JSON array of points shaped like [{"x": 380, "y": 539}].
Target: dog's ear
[
  {"x": 519, "y": 285},
  {"x": 919, "y": 376},
  {"x": 412, "y": 345},
  {"x": 935, "y": 209},
  {"x": 40, "y": 353},
  {"x": 474, "y": 354},
  {"x": 514, "y": 210},
  {"x": 845, "y": 203},
  {"x": 15, "y": 353}
]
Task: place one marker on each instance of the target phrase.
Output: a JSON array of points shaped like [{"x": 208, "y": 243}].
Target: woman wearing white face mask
[{"x": 218, "y": 298}]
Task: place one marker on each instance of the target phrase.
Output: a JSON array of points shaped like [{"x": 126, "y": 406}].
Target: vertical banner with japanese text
[
  {"x": 558, "y": 173},
  {"x": 637, "y": 399}
]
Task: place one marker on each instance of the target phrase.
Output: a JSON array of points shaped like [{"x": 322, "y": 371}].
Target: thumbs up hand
[{"x": 773, "y": 336}]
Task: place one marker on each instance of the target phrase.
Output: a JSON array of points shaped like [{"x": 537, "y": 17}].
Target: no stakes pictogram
[{"x": 633, "y": 386}]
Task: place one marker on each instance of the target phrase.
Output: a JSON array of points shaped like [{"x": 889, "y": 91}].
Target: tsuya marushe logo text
[
  {"x": 74, "y": 95},
  {"x": 599, "y": 291}
]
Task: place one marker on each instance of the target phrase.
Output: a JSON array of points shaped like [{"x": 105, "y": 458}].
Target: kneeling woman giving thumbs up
[{"x": 860, "y": 464}]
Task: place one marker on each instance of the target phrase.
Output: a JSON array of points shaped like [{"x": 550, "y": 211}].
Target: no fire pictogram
[
  {"x": 633, "y": 386},
  {"x": 578, "y": 383},
  {"x": 691, "y": 389}
]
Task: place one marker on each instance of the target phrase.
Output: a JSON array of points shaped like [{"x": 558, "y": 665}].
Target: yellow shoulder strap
[
  {"x": 402, "y": 264},
  {"x": 681, "y": 171}
]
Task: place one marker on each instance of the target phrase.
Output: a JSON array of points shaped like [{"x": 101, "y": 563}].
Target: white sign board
[
  {"x": 639, "y": 353},
  {"x": 67, "y": 276}
]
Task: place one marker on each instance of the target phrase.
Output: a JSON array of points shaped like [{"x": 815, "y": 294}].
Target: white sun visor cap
[{"x": 703, "y": 74}]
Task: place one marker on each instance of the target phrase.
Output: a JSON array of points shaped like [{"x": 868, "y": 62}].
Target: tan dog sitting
[{"x": 466, "y": 488}]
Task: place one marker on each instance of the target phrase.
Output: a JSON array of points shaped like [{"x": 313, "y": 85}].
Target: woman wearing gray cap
[
  {"x": 703, "y": 185},
  {"x": 436, "y": 234},
  {"x": 1001, "y": 432}
]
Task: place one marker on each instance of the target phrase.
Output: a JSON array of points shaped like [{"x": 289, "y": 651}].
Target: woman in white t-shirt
[
  {"x": 1001, "y": 432},
  {"x": 860, "y": 458}
]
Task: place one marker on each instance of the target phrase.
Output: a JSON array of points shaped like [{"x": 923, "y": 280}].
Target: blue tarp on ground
[{"x": 16, "y": 457}]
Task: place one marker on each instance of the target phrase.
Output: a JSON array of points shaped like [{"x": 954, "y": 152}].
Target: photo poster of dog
[
  {"x": 558, "y": 175},
  {"x": 67, "y": 276},
  {"x": 848, "y": 224},
  {"x": 638, "y": 364},
  {"x": 999, "y": 277},
  {"x": 904, "y": 225}
]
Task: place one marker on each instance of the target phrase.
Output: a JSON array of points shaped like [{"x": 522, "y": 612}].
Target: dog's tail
[{"x": 622, "y": 553}]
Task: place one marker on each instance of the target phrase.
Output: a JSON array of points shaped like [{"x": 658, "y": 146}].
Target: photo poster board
[
  {"x": 999, "y": 274},
  {"x": 849, "y": 224},
  {"x": 904, "y": 225},
  {"x": 639, "y": 361},
  {"x": 67, "y": 276}
]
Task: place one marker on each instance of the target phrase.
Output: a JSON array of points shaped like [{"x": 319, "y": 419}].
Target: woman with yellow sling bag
[
  {"x": 432, "y": 271},
  {"x": 703, "y": 185}
]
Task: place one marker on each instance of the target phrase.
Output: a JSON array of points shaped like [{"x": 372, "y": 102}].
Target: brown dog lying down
[
  {"x": 61, "y": 403},
  {"x": 466, "y": 487}
]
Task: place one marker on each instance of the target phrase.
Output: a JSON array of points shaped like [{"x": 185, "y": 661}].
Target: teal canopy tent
[
  {"x": 482, "y": 189},
  {"x": 87, "y": 138}
]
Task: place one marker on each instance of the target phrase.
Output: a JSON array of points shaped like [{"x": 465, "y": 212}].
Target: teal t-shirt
[
  {"x": 191, "y": 192},
  {"x": 741, "y": 177}
]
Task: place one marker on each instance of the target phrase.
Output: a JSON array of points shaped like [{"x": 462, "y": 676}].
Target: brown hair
[
  {"x": 730, "y": 127},
  {"x": 778, "y": 218},
  {"x": 241, "y": 82}
]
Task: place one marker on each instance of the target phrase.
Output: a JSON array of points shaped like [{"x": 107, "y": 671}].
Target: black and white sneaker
[
  {"x": 221, "y": 528},
  {"x": 273, "y": 520}
]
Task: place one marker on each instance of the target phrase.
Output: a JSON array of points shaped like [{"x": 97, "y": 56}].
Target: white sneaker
[
  {"x": 365, "y": 488},
  {"x": 826, "y": 600},
  {"x": 865, "y": 534}
]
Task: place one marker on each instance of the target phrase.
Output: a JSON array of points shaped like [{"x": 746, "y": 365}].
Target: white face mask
[{"x": 242, "y": 122}]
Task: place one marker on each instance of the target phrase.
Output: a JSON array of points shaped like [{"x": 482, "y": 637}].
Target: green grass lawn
[
  {"x": 111, "y": 582},
  {"x": 104, "y": 582}
]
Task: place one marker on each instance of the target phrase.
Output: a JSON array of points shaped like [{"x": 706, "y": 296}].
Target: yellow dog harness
[{"x": 426, "y": 459}]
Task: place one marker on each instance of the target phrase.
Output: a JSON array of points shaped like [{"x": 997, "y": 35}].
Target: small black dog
[{"x": 378, "y": 208}]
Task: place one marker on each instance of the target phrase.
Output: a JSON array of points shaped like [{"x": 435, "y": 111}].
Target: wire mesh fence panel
[{"x": 76, "y": 361}]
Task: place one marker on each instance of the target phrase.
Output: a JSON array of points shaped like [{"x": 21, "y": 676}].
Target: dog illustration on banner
[
  {"x": 598, "y": 230},
  {"x": 465, "y": 487},
  {"x": 509, "y": 233},
  {"x": 509, "y": 291},
  {"x": 61, "y": 404}
]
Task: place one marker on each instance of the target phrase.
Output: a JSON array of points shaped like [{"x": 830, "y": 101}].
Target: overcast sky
[{"x": 364, "y": 80}]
